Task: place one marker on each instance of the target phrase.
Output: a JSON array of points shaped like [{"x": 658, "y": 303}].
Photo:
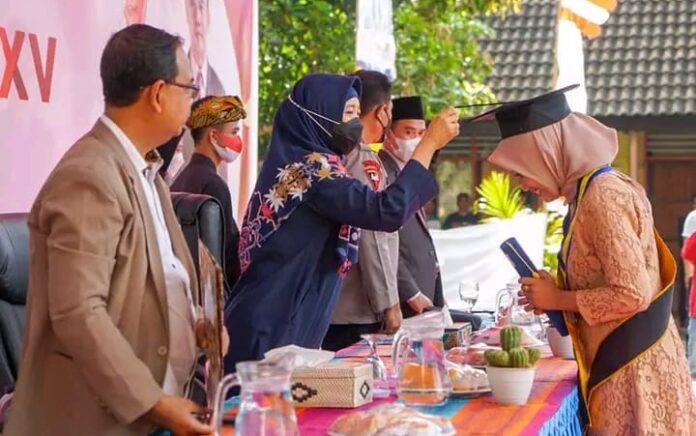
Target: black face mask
[
  {"x": 377, "y": 146},
  {"x": 346, "y": 136},
  {"x": 385, "y": 129}
]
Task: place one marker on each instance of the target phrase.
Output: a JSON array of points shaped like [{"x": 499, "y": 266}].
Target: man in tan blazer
[{"x": 109, "y": 345}]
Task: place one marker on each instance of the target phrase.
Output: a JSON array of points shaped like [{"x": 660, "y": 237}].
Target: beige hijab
[{"x": 557, "y": 156}]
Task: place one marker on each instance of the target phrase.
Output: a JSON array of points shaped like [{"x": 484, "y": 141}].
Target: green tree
[
  {"x": 437, "y": 50},
  {"x": 437, "y": 53},
  {"x": 298, "y": 37}
]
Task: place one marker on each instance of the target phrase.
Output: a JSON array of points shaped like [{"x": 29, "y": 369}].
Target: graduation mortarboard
[
  {"x": 524, "y": 116},
  {"x": 407, "y": 108}
]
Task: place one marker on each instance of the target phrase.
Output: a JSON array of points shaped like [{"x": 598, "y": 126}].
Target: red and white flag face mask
[{"x": 228, "y": 147}]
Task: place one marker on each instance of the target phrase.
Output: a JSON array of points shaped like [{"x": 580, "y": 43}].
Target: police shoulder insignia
[{"x": 373, "y": 171}]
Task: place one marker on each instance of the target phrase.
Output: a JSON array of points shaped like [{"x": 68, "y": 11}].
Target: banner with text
[{"x": 50, "y": 91}]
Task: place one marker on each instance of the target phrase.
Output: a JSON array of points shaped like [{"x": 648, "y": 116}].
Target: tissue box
[
  {"x": 333, "y": 384},
  {"x": 457, "y": 336}
]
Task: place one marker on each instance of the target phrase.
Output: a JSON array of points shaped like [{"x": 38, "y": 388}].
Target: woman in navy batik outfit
[{"x": 300, "y": 233}]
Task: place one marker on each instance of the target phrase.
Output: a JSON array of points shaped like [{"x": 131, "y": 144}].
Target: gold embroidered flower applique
[{"x": 295, "y": 179}]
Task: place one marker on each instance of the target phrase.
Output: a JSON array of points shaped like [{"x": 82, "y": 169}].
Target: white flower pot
[
  {"x": 561, "y": 346},
  {"x": 511, "y": 385}
]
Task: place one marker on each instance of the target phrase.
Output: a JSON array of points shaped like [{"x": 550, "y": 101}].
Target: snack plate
[
  {"x": 470, "y": 394},
  {"x": 442, "y": 433}
]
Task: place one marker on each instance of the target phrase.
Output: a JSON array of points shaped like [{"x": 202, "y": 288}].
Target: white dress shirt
[
  {"x": 689, "y": 224},
  {"x": 182, "y": 340}
]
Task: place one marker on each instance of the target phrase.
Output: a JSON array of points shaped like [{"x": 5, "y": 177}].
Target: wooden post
[
  {"x": 633, "y": 154},
  {"x": 475, "y": 173}
]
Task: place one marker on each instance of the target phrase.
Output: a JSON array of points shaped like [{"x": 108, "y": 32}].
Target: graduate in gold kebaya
[{"x": 614, "y": 286}]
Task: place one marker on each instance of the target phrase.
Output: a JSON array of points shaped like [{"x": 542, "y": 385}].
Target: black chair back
[
  {"x": 14, "y": 280},
  {"x": 201, "y": 218}
]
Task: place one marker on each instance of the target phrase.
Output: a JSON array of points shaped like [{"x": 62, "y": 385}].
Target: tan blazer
[{"x": 96, "y": 343}]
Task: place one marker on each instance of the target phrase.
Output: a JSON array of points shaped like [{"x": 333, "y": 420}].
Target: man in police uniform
[{"x": 369, "y": 299}]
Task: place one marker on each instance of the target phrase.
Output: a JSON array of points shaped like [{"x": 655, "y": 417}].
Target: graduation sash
[{"x": 634, "y": 336}]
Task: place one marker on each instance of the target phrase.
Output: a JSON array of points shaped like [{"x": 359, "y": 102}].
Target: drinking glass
[{"x": 468, "y": 293}]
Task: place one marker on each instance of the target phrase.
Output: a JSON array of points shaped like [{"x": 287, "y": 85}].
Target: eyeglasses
[{"x": 193, "y": 89}]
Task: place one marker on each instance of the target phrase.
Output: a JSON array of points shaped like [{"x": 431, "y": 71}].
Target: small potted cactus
[{"x": 511, "y": 370}]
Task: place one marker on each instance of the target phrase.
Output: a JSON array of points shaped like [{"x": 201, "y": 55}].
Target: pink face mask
[{"x": 228, "y": 147}]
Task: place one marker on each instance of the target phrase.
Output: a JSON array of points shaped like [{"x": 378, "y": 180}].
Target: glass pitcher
[
  {"x": 510, "y": 312},
  {"x": 419, "y": 364},
  {"x": 266, "y": 407},
  {"x": 505, "y": 299}
]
